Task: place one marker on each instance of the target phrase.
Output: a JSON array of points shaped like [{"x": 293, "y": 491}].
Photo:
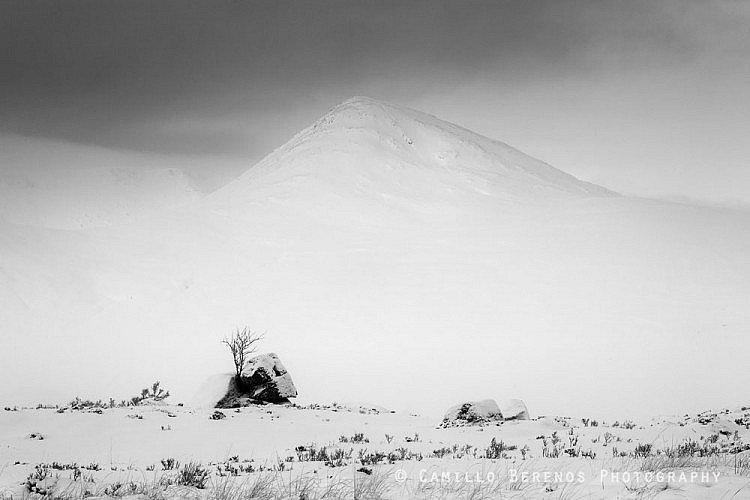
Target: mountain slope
[
  {"x": 67, "y": 186},
  {"x": 379, "y": 150},
  {"x": 390, "y": 272}
]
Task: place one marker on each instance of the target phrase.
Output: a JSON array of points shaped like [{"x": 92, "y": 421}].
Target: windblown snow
[{"x": 400, "y": 259}]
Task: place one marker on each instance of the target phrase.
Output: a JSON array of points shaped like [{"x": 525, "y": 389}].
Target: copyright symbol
[{"x": 400, "y": 475}]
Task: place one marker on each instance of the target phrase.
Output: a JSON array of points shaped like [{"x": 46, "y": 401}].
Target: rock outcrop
[
  {"x": 264, "y": 379},
  {"x": 484, "y": 412},
  {"x": 473, "y": 412}
]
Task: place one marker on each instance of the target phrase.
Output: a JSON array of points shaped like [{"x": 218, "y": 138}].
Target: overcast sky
[{"x": 646, "y": 97}]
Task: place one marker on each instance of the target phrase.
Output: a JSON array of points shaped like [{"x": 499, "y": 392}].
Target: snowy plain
[{"x": 392, "y": 258}]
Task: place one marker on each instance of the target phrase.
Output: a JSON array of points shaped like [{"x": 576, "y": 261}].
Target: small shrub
[
  {"x": 193, "y": 474},
  {"x": 642, "y": 450},
  {"x": 338, "y": 458},
  {"x": 588, "y": 454},
  {"x": 154, "y": 392},
  {"x": 496, "y": 450},
  {"x": 628, "y": 425},
  {"x": 170, "y": 464},
  {"x": 312, "y": 453},
  {"x": 358, "y": 437},
  {"x": 371, "y": 458},
  {"x": 39, "y": 481}
]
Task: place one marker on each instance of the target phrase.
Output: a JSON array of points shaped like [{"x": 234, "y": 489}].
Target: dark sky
[{"x": 651, "y": 97}]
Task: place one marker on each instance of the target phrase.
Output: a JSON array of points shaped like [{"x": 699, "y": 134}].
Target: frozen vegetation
[{"x": 149, "y": 450}]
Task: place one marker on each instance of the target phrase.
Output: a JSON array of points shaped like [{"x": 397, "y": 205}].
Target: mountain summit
[{"x": 377, "y": 149}]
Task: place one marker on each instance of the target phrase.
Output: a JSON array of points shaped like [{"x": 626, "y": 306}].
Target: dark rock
[{"x": 263, "y": 380}]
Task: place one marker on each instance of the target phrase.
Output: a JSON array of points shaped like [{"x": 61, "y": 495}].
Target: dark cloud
[{"x": 111, "y": 71}]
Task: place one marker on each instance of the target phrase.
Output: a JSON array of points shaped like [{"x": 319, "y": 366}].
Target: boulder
[
  {"x": 264, "y": 379},
  {"x": 485, "y": 411},
  {"x": 514, "y": 409},
  {"x": 473, "y": 412}
]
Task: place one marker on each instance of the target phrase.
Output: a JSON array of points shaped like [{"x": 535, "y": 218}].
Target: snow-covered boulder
[
  {"x": 268, "y": 378},
  {"x": 514, "y": 409},
  {"x": 485, "y": 411},
  {"x": 263, "y": 379},
  {"x": 473, "y": 412}
]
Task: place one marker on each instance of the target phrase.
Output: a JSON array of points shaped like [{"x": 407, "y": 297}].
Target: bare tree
[{"x": 241, "y": 343}]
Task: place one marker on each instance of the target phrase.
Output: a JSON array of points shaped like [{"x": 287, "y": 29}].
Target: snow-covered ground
[{"x": 407, "y": 455}]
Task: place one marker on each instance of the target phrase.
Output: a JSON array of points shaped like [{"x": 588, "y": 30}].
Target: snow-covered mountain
[
  {"x": 68, "y": 186},
  {"x": 393, "y": 154},
  {"x": 399, "y": 259}
]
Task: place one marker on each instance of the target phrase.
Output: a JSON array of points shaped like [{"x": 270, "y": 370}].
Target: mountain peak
[
  {"x": 361, "y": 111},
  {"x": 361, "y": 100},
  {"x": 386, "y": 151},
  {"x": 362, "y": 103}
]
